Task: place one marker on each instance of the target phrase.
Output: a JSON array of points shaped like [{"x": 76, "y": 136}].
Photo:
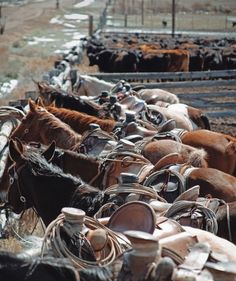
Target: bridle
[{"x": 15, "y": 180}]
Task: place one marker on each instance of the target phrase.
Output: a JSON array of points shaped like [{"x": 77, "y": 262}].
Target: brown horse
[
  {"x": 212, "y": 182},
  {"x": 155, "y": 150},
  {"x": 39, "y": 125},
  {"x": 220, "y": 148},
  {"x": 80, "y": 122},
  {"x": 226, "y": 218}
]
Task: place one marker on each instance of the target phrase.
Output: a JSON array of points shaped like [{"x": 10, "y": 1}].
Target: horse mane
[
  {"x": 88, "y": 198},
  {"x": 39, "y": 166},
  {"x": 80, "y": 121}
]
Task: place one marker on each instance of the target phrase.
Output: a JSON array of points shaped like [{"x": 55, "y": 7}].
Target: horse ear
[
  {"x": 40, "y": 102},
  {"x": 14, "y": 152},
  {"x": 48, "y": 154},
  {"x": 53, "y": 104},
  {"x": 32, "y": 105}
]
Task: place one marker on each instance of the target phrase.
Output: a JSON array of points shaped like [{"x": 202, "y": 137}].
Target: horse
[
  {"x": 39, "y": 125},
  {"x": 152, "y": 96},
  {"x": 80, "y": 122},
  {"x": 91, "y": 86},
  {"x": 226, "y": 218},
  {"x": 50, "y": 95},
  {"x": 33, "y": 182},
  {"x": 14, "y": 267},
  {"x": 213, "y": 183},
  {"x": 220, "y": 148},
  {"x": 155, "y": 150}
]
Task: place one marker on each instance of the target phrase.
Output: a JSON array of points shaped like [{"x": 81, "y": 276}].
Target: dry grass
[{"x": 18, "y": 231}]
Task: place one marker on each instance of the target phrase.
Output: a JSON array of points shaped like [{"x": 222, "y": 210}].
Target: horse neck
[
  {"x": 61, "y": 133},
  {"x": 79, "y": 164},
  {"x": 95, "y": 86},
  {"x": 80, "y": 122},
  {"x": 42, "y": 191}
]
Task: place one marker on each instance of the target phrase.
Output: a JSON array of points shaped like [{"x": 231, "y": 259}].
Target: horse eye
[
  {"x": 11, "y": 180},
  {"x": 26, "y": 131}
]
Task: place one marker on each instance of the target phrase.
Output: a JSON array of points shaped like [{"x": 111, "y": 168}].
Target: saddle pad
[{"x": 134, "y": 215}]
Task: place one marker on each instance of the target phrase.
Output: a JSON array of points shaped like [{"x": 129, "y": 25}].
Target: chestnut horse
[
  {"x": 155, "y": 150},
  {"x": 220, "y": 148},
  {"x": 80, "y": 122},
  {"x": 41, "y": 126},
  {"x": 226, "y": 218}
]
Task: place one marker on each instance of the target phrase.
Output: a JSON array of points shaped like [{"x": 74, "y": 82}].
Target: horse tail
[
  {"x": 206, "y": 121},
  {"x": 198, "y": 158}
]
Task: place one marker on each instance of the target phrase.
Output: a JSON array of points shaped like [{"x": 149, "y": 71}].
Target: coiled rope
[
  {"x": 181, "y": 207},
  {"x": 53, "y": 241}
]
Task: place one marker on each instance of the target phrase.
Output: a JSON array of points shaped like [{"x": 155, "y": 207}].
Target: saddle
[
  {"x": 168, "y": 183},
  {"x": 194, "y": 214},
  {"x": 96, "y": 142},
  {"x": 134, "y": 215}
]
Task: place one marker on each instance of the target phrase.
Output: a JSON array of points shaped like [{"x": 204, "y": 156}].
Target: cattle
[
  {"x": 165, "y": 61},
  {"x": 115, "y": 61}
]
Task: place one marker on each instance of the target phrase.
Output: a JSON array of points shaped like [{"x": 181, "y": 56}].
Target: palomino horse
[
  {"x": 91, "y": 86},
  {"x": 220, "y": 148},
  {"x": 41, "y": 126}
]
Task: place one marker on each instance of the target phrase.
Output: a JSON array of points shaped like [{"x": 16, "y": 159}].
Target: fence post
[
  {"x": 90, "y": 25},
  {"x": 173, "y": 18},
  {"x": 125, "y": 20},
  {"x": 142, "y": 9}
]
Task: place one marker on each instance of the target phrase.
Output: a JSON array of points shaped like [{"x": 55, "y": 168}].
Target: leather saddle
[
  {"x": 168, "y": 183},
  {"x": 97, "y": 142},
  {"x": 134, "y": 215}
]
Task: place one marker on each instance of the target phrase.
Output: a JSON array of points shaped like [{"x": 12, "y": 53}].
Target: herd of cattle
[
  {"x": 160, "y": 204},
  {"x": 144, "y": 53}
]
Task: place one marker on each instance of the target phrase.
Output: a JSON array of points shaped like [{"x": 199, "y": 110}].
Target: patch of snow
[
  {"x": 69, "y": 25},
  {"x": 84, "y": 3},
  {"x": 7, "y": 87},
  {"x": 56, "y": 20},
  {"x": 76, "y": 17},
  {"x": 35, "y": 40},
  {"x": 70, "y": 44}
]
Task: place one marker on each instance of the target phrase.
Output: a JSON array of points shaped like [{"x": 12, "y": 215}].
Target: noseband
[{"x": 15, "y": 180}]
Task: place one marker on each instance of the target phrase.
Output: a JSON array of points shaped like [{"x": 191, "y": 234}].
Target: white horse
[{"x": 91, "y": 86}]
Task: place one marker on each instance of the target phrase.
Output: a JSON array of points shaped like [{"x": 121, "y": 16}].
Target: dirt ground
[{"x": 27, "y": 62}]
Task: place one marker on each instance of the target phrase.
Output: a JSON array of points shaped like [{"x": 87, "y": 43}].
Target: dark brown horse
[
  {"x": 62, "y": 99},
  {"x": 13, "y": 267},
  {"x": 36, "y": 183},
  {"x": 39, "y": 125}
]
